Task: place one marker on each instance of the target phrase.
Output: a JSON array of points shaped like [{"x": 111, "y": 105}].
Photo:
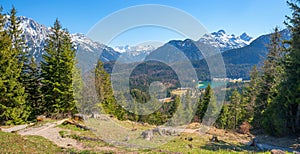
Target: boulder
[
  {"x": 40, "y": 118},
  {"x": 80, "y": 117},
  {"x": 159, "y": 131},
  {"x": 214, "y": 139},
  {"x": 147, "y": 135}
]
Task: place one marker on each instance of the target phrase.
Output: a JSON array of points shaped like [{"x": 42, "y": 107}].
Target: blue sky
[{"x": 255, "y": 17}]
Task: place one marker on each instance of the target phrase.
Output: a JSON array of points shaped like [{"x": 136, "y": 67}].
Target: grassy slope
[{"x": 14, "y": 143}]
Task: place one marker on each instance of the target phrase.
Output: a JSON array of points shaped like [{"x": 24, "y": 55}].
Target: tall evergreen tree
[
  {"x": 32, "y": 82},
  {"x": 15, "y": 31},
  {"x": 13, "y": 109},
  {"x": 250, "y": 93},
  {"x": 104, "y": 90},
  {"x": 290, "y": 88},
  {"x": 57, "y": 72},
  {"x": 270, "y": 79},
  {"x": 236, "y": 107},
  {"x": 207, "y": 107},
  {"x": 18, "y": 42}
]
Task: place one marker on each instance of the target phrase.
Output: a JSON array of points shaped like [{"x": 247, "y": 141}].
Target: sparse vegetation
[{"x": 14, "y": 143}]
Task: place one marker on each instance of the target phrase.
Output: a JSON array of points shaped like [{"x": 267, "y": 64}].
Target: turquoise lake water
[{"x": 213, "y": 84}]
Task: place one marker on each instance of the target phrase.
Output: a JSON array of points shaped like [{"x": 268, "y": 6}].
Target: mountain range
[{"x": 237, "y": 51}]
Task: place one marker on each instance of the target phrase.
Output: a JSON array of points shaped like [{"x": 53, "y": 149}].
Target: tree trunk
[
  {"x": 292, "y": 121},
  {"x": 297, "y": 122}
]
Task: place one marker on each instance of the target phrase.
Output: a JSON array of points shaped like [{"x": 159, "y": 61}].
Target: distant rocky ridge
[{"x": 236, "y": 50}]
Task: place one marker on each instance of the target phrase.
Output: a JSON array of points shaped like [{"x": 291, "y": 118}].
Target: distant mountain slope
[
  {"x": 132, "y": 54},
  {"x": 225, "y": 41},
  {"x": 218, "y": 40},
  {"x": 253, "y": 53},
  {"x": 238, "y": 62},
  {"x": 36, "y": 34},
  {"x": 240, "y": 53}
]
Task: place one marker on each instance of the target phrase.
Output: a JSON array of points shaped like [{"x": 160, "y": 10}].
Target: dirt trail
[{"x": 51, "y": 132}]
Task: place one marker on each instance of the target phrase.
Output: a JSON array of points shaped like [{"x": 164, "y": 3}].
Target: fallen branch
[{"x": 73, "y": 122}]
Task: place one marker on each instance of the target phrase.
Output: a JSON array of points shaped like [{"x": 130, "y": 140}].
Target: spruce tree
[
  {"x": 235, "y": 108},
  {"x": 13, "y": 109},
  {"x": 289, "y": 94},
  {"x": 32, "y": 82},
  {"x": 204, "y": 102},
  {"x": 104, "y": 90},
  {"x": 270, "y": 79},
  {"x": 57, "y": 72}
]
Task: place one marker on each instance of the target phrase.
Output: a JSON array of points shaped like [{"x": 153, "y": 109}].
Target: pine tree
[
  {"x": 204, "y": 102},
  {"x": 212, "y": 109},
  {"x": 250, "y": 93},
  {"x": 179, "y": 114},
  {"x": 78, "y": 86},
  {"x": 32, "y": 82},
  {"x": 104, "y": 90},
  {"x": 270, "y": 79},
  {"x": 188, "y": 107},
  {"x": 15, "y": 32},
  {"x": 13, "y": 109},
  {"x": 57, "y": 72},
  {"x": 121, "y": 114},
  {"x": 289, "y": 94},
  {"x": 235, "y": 107},
  {"x": 18, "y": 42}
]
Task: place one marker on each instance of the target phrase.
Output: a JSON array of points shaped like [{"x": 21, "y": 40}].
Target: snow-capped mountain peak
[
  {"x": 88, "y": 51},
  {"x": 225, "y": 41},
  {"x": 135, "y": 53},
  {"x": 138, "y": 48}
]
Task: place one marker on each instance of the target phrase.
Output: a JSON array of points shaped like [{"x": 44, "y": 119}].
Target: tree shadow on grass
[{"x": 222, "y": 145}]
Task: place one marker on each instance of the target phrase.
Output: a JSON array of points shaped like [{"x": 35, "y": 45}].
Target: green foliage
[
  {"x": 12, "y": 94},
  {"x": 289, "y": 92},
  {"x": 104, "y": 90},
  {"x": 57, "y": 72},
  {"x": 233, "y": 113},
  {"x": 207, "y": 104},
  {"x": 277, "y": 97},
  {"x": 270, "y": 79},
  {"x": 32, "y": 83}
]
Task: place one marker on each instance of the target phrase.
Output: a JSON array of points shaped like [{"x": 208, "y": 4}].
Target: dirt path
[
  {"x": 51, "y": 132},
  {"x": 14, "y": 128}
]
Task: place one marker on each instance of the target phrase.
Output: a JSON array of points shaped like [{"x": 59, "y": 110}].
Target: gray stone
[{"x": 147, "y": 135}]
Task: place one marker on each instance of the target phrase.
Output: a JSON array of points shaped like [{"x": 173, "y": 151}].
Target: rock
[
  {"x": 99, "y": 116},
  {"x": 158, "y": 130},
  {"x": 147, "y": 135},
  {"x": 190, "y": 139},
  {"x": 191, "y": 146},
  {"x": 80, "y": 117},
  {"x": 40, "y": 118},
  {"x": 127, "y": 138},
  {"x": 276, "y": 151},
  {"x": 214, "y": 139}
]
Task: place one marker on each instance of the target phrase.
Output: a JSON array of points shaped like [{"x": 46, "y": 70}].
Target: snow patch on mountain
[
  {"x": 35, "y": 36},
  {"x": 134, "y": 53},
  {"x": 225, "y": 41}
]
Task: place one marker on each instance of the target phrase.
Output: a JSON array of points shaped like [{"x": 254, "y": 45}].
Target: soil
[{"x": 51, "y": 132}]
